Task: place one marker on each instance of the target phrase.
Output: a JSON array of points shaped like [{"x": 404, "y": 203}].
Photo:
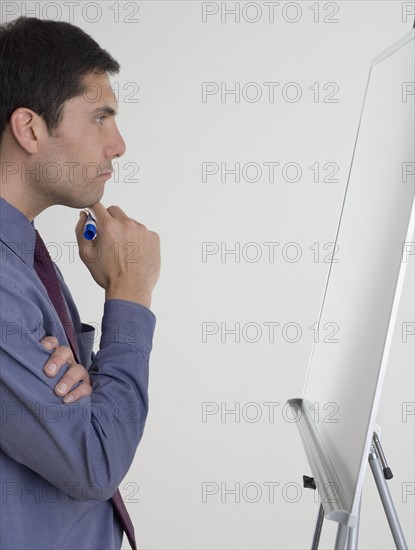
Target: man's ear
[{"x": 27, "y": 127}]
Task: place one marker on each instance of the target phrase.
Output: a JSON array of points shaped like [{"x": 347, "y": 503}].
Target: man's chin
[{"x": 87, "y": 200}]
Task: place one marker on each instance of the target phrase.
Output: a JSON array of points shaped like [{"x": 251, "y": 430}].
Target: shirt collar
[{"x": 17, "y": 232}]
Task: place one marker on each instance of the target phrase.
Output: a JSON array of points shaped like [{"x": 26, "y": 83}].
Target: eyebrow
[{"x": 105, "y": 109}]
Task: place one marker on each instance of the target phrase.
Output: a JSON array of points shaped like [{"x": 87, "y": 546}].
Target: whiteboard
[{"x": 363, "y": 287}]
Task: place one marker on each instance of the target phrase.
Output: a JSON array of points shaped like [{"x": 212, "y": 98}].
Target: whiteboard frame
[{"x": 324, "y": 474}]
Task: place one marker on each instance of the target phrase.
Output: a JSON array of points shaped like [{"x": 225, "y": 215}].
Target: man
[{"x": 64, "y": 451}]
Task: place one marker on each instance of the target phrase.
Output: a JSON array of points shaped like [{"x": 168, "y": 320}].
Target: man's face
[{"x": 73, "y": 161}]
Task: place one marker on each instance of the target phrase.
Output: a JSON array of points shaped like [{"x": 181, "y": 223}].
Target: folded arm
[{"x": 89, "y": 443}]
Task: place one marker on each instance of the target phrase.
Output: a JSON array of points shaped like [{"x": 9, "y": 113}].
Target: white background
[{"x": 165, "y": 57}]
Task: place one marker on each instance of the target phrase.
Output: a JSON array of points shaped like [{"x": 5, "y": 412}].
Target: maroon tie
[{"x": 44, "y": 267}]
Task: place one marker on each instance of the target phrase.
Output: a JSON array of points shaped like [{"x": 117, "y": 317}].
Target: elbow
[
  {"x": 99, "y": 479},
  {"x": 107, "y": 461},
  {"x": 89, "y": 491}
]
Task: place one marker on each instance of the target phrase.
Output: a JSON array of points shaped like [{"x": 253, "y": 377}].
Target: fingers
[
  {"x": 99, "y": 212},
  {"x": 117, "y": 212},
  {"x": 49, "y": 342},
  {"x": 83, "y": 390},
  {"x": 61, "y": 355},
  {"x": 75, "y": 374}
]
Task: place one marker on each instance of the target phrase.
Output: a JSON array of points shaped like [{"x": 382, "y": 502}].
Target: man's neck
[{"x": 20, "y": 199}]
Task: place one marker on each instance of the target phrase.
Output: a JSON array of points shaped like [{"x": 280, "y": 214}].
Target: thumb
[
  {"x": 50, "y": 342},
  {"x": 99, "y": 212}
]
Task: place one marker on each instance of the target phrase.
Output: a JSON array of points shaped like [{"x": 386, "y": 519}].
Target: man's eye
[{"x": 100, "y": 117}]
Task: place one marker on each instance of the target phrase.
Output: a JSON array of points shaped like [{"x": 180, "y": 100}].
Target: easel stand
[{"x": 347, "y": 537}]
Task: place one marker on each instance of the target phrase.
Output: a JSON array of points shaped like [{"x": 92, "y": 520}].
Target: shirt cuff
[{"x": 128, "y": 322}]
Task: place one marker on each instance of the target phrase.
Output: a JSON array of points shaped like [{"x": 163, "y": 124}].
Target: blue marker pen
[{"x": 90, "y": 227}]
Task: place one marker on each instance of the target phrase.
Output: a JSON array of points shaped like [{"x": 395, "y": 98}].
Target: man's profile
[{"x": 71, "y": 419}]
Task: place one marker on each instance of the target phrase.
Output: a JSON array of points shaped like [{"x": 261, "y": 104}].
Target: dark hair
[{"x": 42, "y": 64}]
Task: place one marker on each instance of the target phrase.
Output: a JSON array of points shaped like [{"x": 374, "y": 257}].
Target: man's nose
[{"x": 117, "y": 147}]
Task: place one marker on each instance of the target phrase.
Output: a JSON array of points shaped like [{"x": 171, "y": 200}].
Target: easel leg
[
  {"x": 347, "y": 537},
  {"x": 353, "y": 534},
  {"x": 352, "y": 537},
  {"x": 341, "y": 538},
  {"x": 319, "y": 526},
  {"x": 387, "y": 502}
]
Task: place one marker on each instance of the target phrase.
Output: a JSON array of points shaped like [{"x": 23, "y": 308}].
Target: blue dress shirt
[{"x": 61, "y": 463}]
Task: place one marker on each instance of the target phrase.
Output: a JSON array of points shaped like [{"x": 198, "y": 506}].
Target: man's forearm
[{"x": 92, "y": 441}]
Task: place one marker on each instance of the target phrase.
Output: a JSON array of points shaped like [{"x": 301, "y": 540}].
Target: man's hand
[
  {"x": 126, "y": 255},
  {"x": 76, "y": 372}
]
